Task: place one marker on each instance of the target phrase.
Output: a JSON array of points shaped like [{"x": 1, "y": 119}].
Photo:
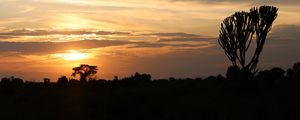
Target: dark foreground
[{"x": 214, "y": 98}]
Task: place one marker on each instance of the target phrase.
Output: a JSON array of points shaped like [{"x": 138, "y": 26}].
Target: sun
[{"x": 72, "y": 55}]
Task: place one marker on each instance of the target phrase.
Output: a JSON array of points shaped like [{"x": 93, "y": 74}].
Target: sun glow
[
  {"x": 71, "y": 21},
  {"x": 72, "y": 55}
]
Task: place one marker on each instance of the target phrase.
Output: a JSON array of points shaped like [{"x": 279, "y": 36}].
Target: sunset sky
[{"x": 46, "y": 38}]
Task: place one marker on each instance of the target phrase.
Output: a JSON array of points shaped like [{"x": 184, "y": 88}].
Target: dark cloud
[
  {"x": 147, "y": 45},
  {"x": 285, "y": 33},
  {"x": 172, "y": 34},
  {"x": 236, "y": 1},
  {"x": 192, "y": 39},
  {"x": 89, "y": 43},
  {"x": 7, "y": 37},
  {"x": 28, "y": 32},
  {"x": 111, "y": 33},
  {"x": 41, "y": 32},
  {"x": 51, "y": 47},
  {"x": 157, "y": 45},
  {"x": 208, "y": 0},
  {"x": 282, "y": 46}
]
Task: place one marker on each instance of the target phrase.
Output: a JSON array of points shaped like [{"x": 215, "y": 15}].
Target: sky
[{"x": 165, "y": 38}]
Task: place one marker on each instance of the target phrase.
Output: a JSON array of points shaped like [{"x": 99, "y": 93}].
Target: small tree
[
  {"x": 85, "y": 71},
  {"x": 46, "y": 80},
  {"x": 238, "y": 31},
  {"x": 294, "y": 73},
  {"x": 62, "y": 81}
]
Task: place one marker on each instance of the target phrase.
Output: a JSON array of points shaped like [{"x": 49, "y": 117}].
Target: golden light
[
  {"x": 72, "y": 55},
  {"x": 71, "y": 21}
]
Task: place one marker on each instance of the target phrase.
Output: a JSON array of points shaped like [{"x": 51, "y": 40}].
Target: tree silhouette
[
  {"x": 232, "y": 73},
  {"x": 238, "y": 31},
  {"x": 294, "y": 73},
  {"x": 46, "y": 80},
  {"x": 62, "y": 81},
  {"x": 85, "y": 71}
]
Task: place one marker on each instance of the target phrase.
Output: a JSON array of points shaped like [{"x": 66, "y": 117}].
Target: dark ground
[{"x": 210, "y": 99}]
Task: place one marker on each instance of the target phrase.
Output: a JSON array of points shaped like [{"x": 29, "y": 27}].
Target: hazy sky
[{"x": 46, "y": 38}]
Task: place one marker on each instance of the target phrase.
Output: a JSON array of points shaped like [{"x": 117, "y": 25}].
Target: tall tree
[
  {"x": 238, "y": 31},
  {"x": 85, "y": 71}
]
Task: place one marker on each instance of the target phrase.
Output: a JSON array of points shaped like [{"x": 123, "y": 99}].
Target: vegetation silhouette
[
  {"x": 238, "y": 31},
  {"x": 241, "y": 95},
  {"x": 275, "y": 96},
  {"x": 85, "y": 72},
  {"x": 62, "y": 81}
]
